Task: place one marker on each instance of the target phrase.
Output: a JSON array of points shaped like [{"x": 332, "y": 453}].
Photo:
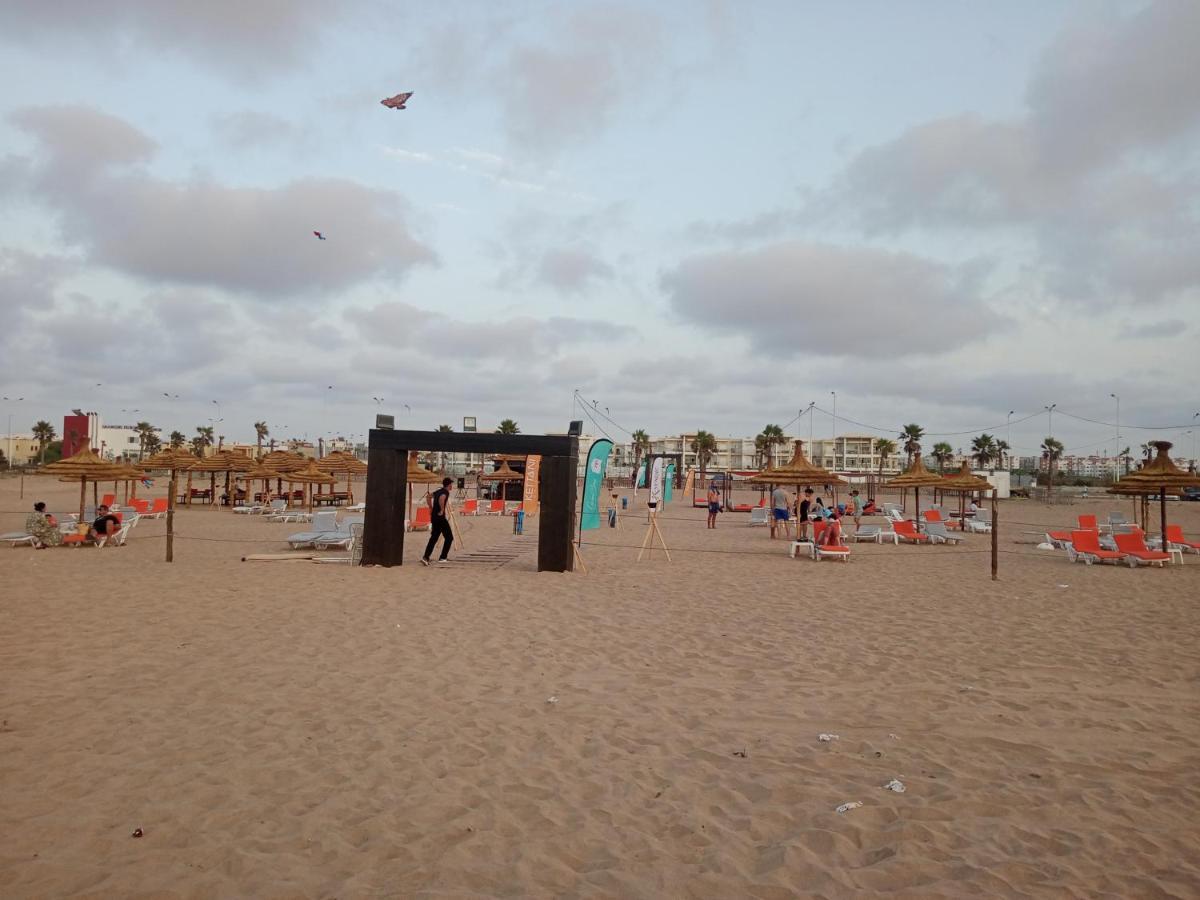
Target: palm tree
[
  {"x": 760, "y": 450},
  {"x": 1002, "y": 449},
  {"x": 640, "y": 444},
  {"x": 204, "y": 434},
  {"x": 44, "y": 432},
  {"x": 704, "y": 445},
  {"x": 1147, "y": 451},
  {"x": 942, "y": 452},
  {"x": 197, "y": 446},
  {"x": 911, "y": 435},
  {"x": 508, "y": 426},
  {"x": 774, "y": 437},
  {"x": 1127, "y": 458},
  {"x": 983, "y": 448},
  {"x": 178, "y": 439},
  {"x": 153, "y": 443},
  {"x": 1051, "y": 451},
  {"x": 261, "y": 431},
  {"x": 885, "y": 448},
  {"x": 145, "y": 431}
]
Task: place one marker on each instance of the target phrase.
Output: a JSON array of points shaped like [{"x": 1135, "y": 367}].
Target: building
[
  {"x": 111, "y": 442},
  {"x": 21, "y": 449}
]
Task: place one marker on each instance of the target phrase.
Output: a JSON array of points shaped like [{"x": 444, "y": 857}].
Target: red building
[{"x": 75, "y": 434}]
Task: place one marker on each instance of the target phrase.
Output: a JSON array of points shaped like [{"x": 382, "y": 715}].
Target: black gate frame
[{"x": 387, "y": 483}]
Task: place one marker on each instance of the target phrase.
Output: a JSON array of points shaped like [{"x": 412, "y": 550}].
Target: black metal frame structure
[{"x": 387, "y": 482}]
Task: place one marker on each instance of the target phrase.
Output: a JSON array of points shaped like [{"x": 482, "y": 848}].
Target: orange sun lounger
[
  {"x": 1136, "y": 551},
  {"x": 907, "y": 531},
  {"x": 1085, "y": 545}
]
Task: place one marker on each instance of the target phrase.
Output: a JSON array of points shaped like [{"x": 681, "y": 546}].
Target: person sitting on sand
[
  {"x": 105, "y": 525},
  {"x": 42, "y": 526}
]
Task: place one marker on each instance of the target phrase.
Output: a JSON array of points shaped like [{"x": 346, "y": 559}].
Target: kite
[
  {"x": 398, "y": 101},
  {"x": 320, "y": 237}
]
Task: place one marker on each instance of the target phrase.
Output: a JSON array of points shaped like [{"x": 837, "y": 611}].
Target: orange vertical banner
[{"x": 533, "y": 465}]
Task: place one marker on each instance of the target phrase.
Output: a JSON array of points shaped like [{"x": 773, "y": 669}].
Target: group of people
[
  {"x": 43, "y": 526},
  {"x": 808, "y": 508}
]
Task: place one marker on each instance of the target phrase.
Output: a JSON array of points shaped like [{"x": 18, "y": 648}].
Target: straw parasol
[
  {"x": 916, "y": 476},
  {"x": 85, "y": 466},
  {"x": 173, "y": 460},
  {"x": 502, "y": 475},
  {"x": 282, "y": 462},
  {"x": 308, "y": 475},
  {"x": 1156, "y": 477},
  {"x": 964, "y": 482},
  {"x": 799, "y": 471},
  {"x": 226, "y": 461},
  {"x": 340, "y": 463}
]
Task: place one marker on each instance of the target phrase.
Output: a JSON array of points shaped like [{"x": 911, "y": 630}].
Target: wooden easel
[
  {"x": 579, "y": 557},
  {"x": 652, "y": 531},
  {"x": 455, "y": 528}
]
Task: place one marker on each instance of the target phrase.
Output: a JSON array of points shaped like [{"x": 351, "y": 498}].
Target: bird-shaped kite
[
  {"x": 398, "y": 101},
  {"x": 320, "y": 237}
]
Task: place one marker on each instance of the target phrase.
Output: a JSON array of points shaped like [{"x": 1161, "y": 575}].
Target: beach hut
[
  {"x": 1157, "y": 477},
  {"x": 85, "y": 466},
  {"x": 916, "y": 476},
  {"x": 964, "y": 482}
]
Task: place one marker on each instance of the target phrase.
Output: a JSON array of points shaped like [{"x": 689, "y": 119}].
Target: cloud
[
  {"x": 252, "y": 240},
  {"x": 235, "y": 38},
  {"x": 571, "y": 270},
  {"x": 1164, "y": 329},
  {"x": 249, "y": 129},
  {"x": 1098, "y": 174},
  {"x": 795, "y": 297}
]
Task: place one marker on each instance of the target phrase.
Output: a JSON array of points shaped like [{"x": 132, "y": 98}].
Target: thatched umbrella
[
  {"x": 258, "y": 472},
  {"x": 502, "y": 476},
  {"x": 226, "y": 461},
  {"x": 916, "y": 476},
  {"x": 131, "y": 475},
  {"x": 964, "y": 482},
  {"x": 282, "y": 462},
  {"x": 308, "y": 476},
  {"x": 173, "y": 460},
  {"x": 85, "y": 466},
  {"x": 799, "y": 471},
  {"x": 341, "y": 463},
  {"x": 1155, "y": 478}
]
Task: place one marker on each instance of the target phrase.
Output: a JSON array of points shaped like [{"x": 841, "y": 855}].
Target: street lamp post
[
  {"x": 834, "y": 393},
  {"x": 8, "y": 432},
  {"x": 1118, "y": 399},
  {"x": 1008, "y": 435},
  {"x": 1050, "y": 418}
]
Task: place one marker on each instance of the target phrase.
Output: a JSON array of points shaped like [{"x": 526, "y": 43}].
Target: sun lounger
[
  {"x": 874, "y": 533},
  {"x": 157, "y": 510},
  {"x": 495, "y": 509},
  {"x": 1175, "y": 539},
  {"x": 759, "y": 515},
  {"x": 16, "y": 538},
  {"x": 341, "y": 536},
  {"x": 982, "y": 523},
  {"x": 108, "y": 500},
  {"x": 469, "y": 508},
  {"x": 1061, "y": 540},
  {"x": 938, "y": 533},
  {"x": 823, "y": 551},
  {"x": 422, "y": 521},
  {"x": 1085, "y": 546},
  {"x": 324, "y": 524},
  {"x": 1088, "y": 523},
  {"x": 907, "y": 531},
  {"x": 1136, "y": 552}
]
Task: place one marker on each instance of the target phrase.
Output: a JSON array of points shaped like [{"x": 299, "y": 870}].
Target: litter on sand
[
  {"x": 846, "y": 807},
  {"x": 827, "y": 737},
  {"x": 551, "y": 699},
  {"x": 1064, "y": 585},
  {"x": 894, "y": 737},
  {"x": 895, "y": 785}
]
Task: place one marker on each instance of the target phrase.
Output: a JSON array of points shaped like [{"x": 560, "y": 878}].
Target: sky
[{"x": 682, "y": 215}]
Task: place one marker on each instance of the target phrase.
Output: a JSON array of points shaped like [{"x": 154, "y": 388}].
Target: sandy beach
[{"x": 286, "y": 729}]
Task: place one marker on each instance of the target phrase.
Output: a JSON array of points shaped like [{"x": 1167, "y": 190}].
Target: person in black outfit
[
  {"x": 439, "y": 522},
  {"x": 106, "y": 524},
  {"x": 802, "y": 515}
]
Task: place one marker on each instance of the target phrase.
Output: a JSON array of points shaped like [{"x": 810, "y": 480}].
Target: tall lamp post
[
  {"x": 9, "y": 431},
  {"x": 1008, "y": 435},
  {"x": 1118, "y": 399},
  {"x": 834, "y": 393}
]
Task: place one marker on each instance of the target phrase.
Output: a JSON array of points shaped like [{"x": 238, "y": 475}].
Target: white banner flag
[{"x": 656, "y": 482}]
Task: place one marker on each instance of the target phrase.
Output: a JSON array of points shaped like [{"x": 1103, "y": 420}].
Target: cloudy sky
[{"x": 697, "y": 214}]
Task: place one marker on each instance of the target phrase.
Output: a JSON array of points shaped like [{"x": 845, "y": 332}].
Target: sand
[{"x": 285, "y": 729}]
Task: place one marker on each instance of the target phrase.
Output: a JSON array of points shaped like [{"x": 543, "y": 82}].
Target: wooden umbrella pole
[
  {"x": 171, "y": 520},
  {"x": 82, "y": 496},
  {"x": 1162, "y": 506},
  {"x": 995, "y": 535}
]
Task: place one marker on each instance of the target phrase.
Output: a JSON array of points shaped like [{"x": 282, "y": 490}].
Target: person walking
[
  {"x": 439, "y": 523},
  {"x": 714, "y": 505},
  {"x": 856, "y": 509}
]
